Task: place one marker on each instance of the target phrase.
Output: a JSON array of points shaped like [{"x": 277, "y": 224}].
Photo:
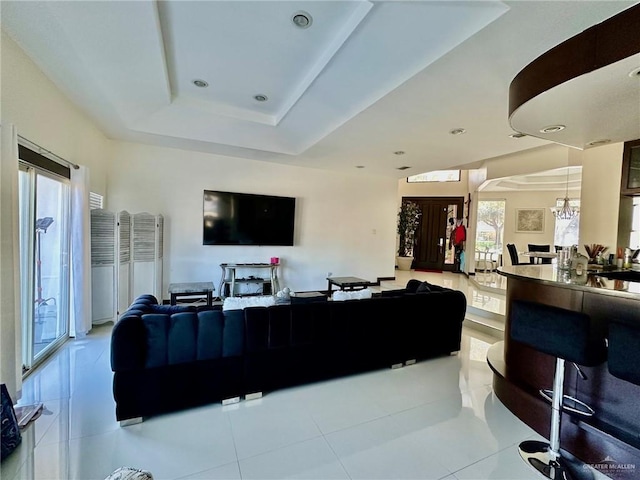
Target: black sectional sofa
[{"x": 167, "y": 358}]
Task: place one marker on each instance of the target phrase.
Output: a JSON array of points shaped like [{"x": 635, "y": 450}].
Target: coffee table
[
  {"x": 347, "y": 283},
  {"x": 191, "y": 289}
]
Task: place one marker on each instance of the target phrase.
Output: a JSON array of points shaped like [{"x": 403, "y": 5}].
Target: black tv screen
[{"x": 247, "y": 219}]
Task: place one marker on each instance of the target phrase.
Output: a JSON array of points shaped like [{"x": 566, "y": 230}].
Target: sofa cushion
[
  {"x": 210, "y": 327},
  {"x": 412, "y": 285},
  {"x": 170, "y": 309},
  {"x": 233, "y": 333},
  {"x": 182, "y": 338},
  {"x": 156, "y": 326}
]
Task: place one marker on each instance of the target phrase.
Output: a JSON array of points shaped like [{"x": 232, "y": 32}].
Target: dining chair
[{"x": 513, "y": 253}]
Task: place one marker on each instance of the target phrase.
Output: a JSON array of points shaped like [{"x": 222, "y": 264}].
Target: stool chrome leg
[{"x": 546, "y": 457}]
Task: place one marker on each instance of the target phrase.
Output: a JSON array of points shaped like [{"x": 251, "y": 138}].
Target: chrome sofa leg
[
  {"x": 253, "y": 396},
  {"x": 130, "y": 421},
  {"x": 229, "y": 401},
  {"x": 452, "y": 354}
]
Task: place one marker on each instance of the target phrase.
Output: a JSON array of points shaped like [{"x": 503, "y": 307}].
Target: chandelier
[{"x": 566, "y": 211}]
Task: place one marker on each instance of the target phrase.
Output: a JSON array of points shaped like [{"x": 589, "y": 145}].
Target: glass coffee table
[{"x": 347, "y": 283}]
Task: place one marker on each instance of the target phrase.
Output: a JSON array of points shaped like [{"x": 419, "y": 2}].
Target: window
[
  {"x": 566, "y": 232},
  {"x": 490, "y": 228},
  {"x": 436, "y": 176},
  {"x": 95, "y": 200}
]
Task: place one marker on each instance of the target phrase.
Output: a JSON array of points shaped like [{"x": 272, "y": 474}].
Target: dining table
[{"x": 538, "y": 256}]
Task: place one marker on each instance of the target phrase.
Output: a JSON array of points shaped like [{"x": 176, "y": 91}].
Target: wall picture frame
[{"x": 529, "y": 220}]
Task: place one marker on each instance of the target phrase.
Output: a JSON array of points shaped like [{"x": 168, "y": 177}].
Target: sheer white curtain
[
  {"x": 10, "y": 324},
  {"x": 80, "y": 253}
]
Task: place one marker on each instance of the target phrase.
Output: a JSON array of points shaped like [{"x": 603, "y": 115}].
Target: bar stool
[
  {"x": 624, "y": 351},
  {"x": 566, "y": 335}
]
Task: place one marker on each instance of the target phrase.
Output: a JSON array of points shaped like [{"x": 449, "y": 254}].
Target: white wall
[
  {"x": 601, "y": 178},
  {"x": 46, "y": 117},
  {"x": 42, "y": 115},
  {"x": 345, "y": 224}
]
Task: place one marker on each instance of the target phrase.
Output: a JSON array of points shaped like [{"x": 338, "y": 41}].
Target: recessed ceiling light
[
  {"x": 403, "y": 168},
  {"x": 457, "y": 131},
  {"x": 302, "y": 19},
  {"x": 261, "y": 98},
  {"x": 518, "y": 135},
  {"x": 359, "y": 166},
  {"x": 552, "y": 129},
  {"x": 599, "y": 142},
  {"x": 635, "y": 73},
  {"x": 200, "y": 83},
  {"x": 398, "y": 152}
]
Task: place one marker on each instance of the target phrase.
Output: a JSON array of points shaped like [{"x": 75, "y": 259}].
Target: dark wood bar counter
[{"x": 611, "y": 438}]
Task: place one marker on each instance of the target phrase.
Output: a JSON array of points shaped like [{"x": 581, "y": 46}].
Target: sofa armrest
[{"x": 128, "y": 344}]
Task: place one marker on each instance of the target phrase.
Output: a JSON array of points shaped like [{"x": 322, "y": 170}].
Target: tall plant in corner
[{"x": 408, "y": 223}]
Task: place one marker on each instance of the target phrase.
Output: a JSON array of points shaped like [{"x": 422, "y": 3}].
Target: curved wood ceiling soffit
[{"x": 614, "y": 40}]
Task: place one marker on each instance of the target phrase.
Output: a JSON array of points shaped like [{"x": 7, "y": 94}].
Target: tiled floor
[{"x": 437, "y": 419}]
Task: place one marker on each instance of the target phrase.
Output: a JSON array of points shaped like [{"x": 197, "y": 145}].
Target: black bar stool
[
  {"x": 624, "y": 352},
  {"x": 566, "y": 335}
]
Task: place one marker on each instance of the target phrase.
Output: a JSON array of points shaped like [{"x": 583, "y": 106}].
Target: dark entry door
[{"x": 432, "y": 250}]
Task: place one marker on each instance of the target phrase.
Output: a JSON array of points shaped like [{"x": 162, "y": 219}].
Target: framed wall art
[{"x": 530, "y": 220}]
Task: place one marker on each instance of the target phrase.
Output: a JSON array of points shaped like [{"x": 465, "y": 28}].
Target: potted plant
[{"x": 408, "y": 222}]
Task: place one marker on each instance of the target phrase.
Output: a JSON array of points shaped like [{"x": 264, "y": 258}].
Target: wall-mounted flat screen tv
[{"x": 247, "y": 219}]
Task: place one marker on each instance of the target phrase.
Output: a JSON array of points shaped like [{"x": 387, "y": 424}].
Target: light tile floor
[{"x": 437, "y": 419}]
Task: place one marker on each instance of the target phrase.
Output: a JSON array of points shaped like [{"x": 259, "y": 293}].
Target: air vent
[{"x": 403, "y": 168}]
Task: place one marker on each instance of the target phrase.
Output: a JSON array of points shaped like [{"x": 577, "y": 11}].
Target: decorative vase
[{"x": 404, "y": 263}]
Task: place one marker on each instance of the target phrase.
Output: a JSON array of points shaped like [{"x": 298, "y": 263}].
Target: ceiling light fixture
[
  {"x": 261, "y": 98},
  {"x": 302, "y": 19},
  {"x": 566, "y": 211},
  {"x": 518, "y": 135},
  {"x": 552, "y": 129},
  {"x": 635, "y": 73},
  {"x": 359, "y": 166},
  {"x": 457, "y": 131},
  {"x": 599, "y": 142},
  {"x": 200, "y": 83},
  {"x": 403, "y": 168},
  {"x": 398, "y": 152}
]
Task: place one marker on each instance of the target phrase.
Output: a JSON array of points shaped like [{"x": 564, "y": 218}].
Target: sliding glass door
[{"x": 44, "y": 262}]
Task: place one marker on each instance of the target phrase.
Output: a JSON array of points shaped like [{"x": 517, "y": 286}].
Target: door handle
[{"x": 441, "y": 243}]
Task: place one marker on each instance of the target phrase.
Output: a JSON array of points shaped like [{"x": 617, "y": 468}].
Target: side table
[
  {"x": 193, "y": 289},
  {"x": 347, "y": 283}
]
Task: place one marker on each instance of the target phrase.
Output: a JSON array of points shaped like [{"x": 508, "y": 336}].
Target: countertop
[{"x": 550, "y": 274}]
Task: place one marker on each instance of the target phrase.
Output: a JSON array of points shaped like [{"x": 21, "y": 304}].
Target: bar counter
[{"x": 613, "y": 433}]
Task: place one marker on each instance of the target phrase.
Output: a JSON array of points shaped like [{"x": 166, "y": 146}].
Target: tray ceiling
[{"x": 364, "y": 80}]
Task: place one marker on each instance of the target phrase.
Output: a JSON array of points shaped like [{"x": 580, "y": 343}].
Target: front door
[{"x": 432, "y": 250}]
